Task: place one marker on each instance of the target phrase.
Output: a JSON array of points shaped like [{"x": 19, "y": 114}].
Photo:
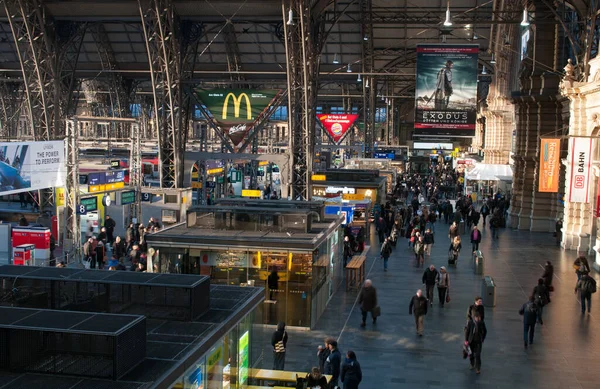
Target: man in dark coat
[
  {"x": 478, "y": 308},
  {"x": 368, "y": 301},
  {"x": 110, "y": 225},
  {"x": 351, "y": 371},
  {"x": 586, "y": 286},
  {"x": 418, "y": 307},
  {"x": 475, "y": 333},
  {"x": 279, "y": 343},
  {"x": 333, "y": 363},
  {"x": 529, "y": 311},
  {"x": 428, "y": 279}
]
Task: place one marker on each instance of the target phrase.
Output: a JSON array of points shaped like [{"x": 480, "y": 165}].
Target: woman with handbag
[
  {"x": 454, "y": 250},
  {"x": 443, "y": 283}
]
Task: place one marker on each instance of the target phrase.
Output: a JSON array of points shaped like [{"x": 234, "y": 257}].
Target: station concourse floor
[{"x": 566, "y": 348}]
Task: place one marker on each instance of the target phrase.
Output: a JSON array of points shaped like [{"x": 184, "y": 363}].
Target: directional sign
[
  {"x": 127, "y": 197},
  {"x": 81, "y": 209},
  {"x": 91, "y": 203},
  {"x": 146, "y": 196},
  {"x": 211, "y": 184}
]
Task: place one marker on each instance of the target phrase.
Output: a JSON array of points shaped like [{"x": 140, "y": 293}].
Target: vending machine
[{"x": 24, "y": 255}]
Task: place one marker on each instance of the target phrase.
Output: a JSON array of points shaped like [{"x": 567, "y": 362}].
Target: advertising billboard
[
  {"x": 337, "y": 126},
  {"x": 446, "y": 90},
  {"x": 580, "y": 151},
  {"x": 549, "y": 165},
  {"x": 26, "y": 166},
  {"x": 236, "y": 111}
]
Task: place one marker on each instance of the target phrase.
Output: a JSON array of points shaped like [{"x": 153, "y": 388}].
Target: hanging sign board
[
  {"x": 337, "y": 126},
  {"x": 580, "y": 150},
  {"x": 549, "y": 165},
  {"x": 251, "y": 193}
]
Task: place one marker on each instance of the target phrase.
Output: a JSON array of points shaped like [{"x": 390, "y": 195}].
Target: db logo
[{"x": 579, "y": 182}]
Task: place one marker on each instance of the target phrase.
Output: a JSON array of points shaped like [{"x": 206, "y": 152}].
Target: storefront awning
[{"x": 490, "y": 172}]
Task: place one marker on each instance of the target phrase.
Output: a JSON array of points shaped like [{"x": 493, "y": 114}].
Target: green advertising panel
[
  {"x": 243, "y": 361},
  {"x": 91, "y": 203},
  {"x": 236, "y": 110}
]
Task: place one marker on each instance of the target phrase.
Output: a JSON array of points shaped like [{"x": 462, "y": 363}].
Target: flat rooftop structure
[
  {"x": 154, "y": 295},
  {"x": 171, "y": 346},
  {"x": 189, "y": 237},
  {"x": 96, "y": 345}
]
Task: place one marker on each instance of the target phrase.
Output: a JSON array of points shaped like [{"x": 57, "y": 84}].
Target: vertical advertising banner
[
  {"x": 581, "y": 167},
  {"x": 236, "y": 111},
  {"x": 26, "y": 166},
  {"x": 549, "y": 165},
  {"x": 337, "y": 126},
  {"x": 446, "y": 90}
]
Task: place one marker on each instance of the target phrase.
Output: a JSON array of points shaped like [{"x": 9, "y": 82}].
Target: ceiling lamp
[
  {"x": 349, "y": 69},
  {"x": 448, "y": 21},
  {"x": 358, "y": 79},
  {"x": 367, "y": 83},
  {"x": 475, "y": 36},
  {"x": 483, "y": 71},
  {"x": 507, "y": 40},
  {"x": 525, "y": 21},
  {"x": 290, "y": 21},
  {"x": 336, "y": 60},
  {"x": 366, "y": 37},
  {"x": 493, "y": 60}
]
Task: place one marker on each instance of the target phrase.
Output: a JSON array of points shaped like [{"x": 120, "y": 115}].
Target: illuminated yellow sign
[
  {"x": 251, "y": 193},
  {"x": 196, "y": 185},
  {"x": 319, "y": 177},
  {"x": 106, "y": 187},
  {"x": 215, "y": 170},
  {"x": 354, "y": 197},
  {"x": 263, "y": 163},
  {"x": 236, "y": 105}
]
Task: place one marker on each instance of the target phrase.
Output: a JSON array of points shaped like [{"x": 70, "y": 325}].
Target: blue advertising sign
[
  {"x": 146, "y": 196},
  {"x": 96, "y": 178},
  {"x": 384, "y": 155}
]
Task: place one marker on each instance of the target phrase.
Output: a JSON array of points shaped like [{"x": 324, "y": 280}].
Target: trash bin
[
  {"x": 488, "y": 291},
  {"x": 461, "y": 227},
  {"x": 478, "y": 262}
]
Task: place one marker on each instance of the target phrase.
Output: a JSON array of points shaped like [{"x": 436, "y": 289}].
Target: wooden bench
[
  {"x": 355, "y": 271},
  {"x": 280, "y": 376}
]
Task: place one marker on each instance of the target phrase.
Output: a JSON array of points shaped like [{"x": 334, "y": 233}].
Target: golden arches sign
[{"x": 237, "y": 100}]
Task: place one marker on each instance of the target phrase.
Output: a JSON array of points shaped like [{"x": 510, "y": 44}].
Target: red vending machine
[
  {"x": 38, "y": 236},
  {"x": 24, "y": 255}
]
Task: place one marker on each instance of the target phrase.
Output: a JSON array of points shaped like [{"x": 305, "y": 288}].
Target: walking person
[
  {"x": 454, "y": 250},
  {"x": 484, "y": 211},
  {"x": 548, "y": 275},
  {"x": 429, "y": 240},
  {"x": 494, "y": 225},
  {"x": 380, "y": 226},
  {"x": 279, "y": 343},
  {"x": 475, "y": 333},
  {"x": 529, "y": 311},
  {"x": 385, "y": 252},
  {"x": 541, "y": 296},
  {"x": 443, "y": 285},
  {"x": 429, "y": 279},
  {"x": 333, "y": 363},
  {"x": 323, "y": 352},
  {"x": 272, "y": 283},
  {"x": 351, "y": 371},
  {"x": 418, "y": 308},
  {"x": 419, "y": 249},
  {"x": 581, "y": 265},
  {"x": 476, "y": 308},
  {"x": 368, "y": 301},
  {"x": 586, "y": 287},
  {"x": 453, "y": 231},
  {"x": 475, "y": 238},
  {"x": 110, "y": 225}
]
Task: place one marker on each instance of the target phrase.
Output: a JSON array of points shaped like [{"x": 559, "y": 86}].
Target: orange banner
[{"x": 549, "y": 165}]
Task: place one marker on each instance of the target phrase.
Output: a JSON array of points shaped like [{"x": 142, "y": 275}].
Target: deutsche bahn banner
[
  {"x": 446, "y": 90},
  {"x": 236, "y": 111},
  {"x": 337, "y": 126},
  {"x": 581, "y": 166},
  {"x": 549, "y": 165}
]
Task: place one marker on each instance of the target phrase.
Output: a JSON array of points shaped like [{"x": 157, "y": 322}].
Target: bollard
[{"x": 488, "y": 291}]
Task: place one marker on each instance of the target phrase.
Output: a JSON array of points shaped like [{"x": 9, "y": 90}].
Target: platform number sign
[
  {"x": 146, "y": 196},
  {"x": 81, "y": 209}
]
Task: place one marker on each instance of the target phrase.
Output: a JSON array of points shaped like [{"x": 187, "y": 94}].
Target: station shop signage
[
  {"x": 580, "y": 151},
  {"x": 339, "y": 189},
  {"x": 237, "y": 111},
  {"x": 549, "y": 165},
  {"x": 446, "y": 90},
  {"x": 337, "y": 126},
  {"x": 28, "y": 166}
]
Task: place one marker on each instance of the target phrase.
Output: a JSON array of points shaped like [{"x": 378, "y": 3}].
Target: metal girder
[
  {"x": 369, "y": 82},
  {"x": 261, "y": 120},
  {"x": 168, "y": 53},
  {"x": 118, "y": 96},
  {"x": 73, "y": 227},
  {"x": 11, "y": 99},
  {"x": 304, "y": 39},
  {"x": 232, "y": 49},
  {"x": 48, "y": 55},
  {"x": 135, "y": 173}
]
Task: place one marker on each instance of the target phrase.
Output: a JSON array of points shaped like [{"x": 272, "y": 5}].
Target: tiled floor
[{"x": 566, "y": 349}]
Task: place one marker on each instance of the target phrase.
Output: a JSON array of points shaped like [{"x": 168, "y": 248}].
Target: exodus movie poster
[
  {"x": 26, "y": 166},
  {"x": 446, "y": 90}
]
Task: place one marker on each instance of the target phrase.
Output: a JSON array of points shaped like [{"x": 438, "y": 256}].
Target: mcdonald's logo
[{"x": 236, "y": 105}]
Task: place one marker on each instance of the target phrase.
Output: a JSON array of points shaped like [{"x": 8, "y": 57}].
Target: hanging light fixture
[
  {"x": 358, "y": 79},
  {"x": 290, "y": 21},
  {"x": 493, "y": 60},
  {"x": 506, "y": 40},
  {"x": 367, "y": 83},
  {"x": 448, "y": 21},
  {"x": 336, "y": 60},
  {"x": 366, "y": 37},
  {"x": 475, "y": 36},
  {"x": 525, "y": 21},
  {"x": 349, "y": 69},
  {"x": 483, "y": 71}
]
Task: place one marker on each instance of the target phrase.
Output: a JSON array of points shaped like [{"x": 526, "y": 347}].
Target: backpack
[
  {"x": 531, "y": 308},
  {"x": 589, "y": 285}
]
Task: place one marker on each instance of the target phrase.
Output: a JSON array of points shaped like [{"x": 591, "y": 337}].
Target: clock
[{"x": 106, "y": 201}]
